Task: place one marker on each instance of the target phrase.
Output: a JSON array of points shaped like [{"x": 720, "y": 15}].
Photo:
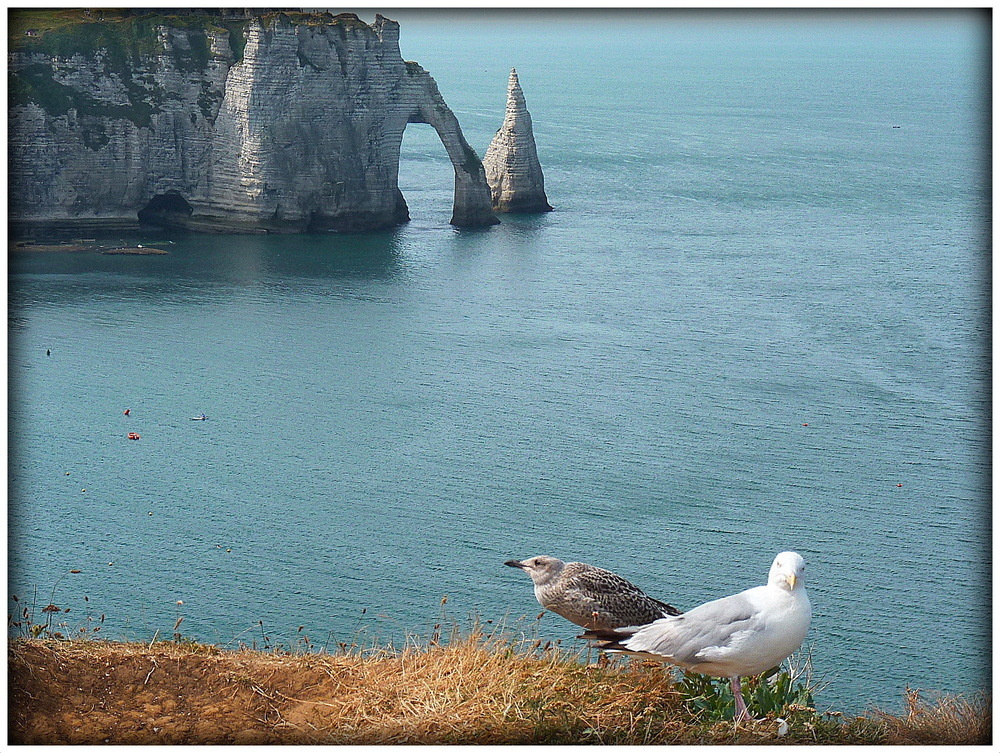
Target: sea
[{"x": 758, "y": 319}]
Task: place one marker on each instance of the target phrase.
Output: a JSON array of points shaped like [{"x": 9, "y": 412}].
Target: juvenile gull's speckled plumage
[
  {"x": 739, "y": 635},
  {"x": 589, "y": 596}
]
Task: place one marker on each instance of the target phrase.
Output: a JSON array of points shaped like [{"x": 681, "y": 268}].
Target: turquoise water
[{"x": 757, "y": 310}]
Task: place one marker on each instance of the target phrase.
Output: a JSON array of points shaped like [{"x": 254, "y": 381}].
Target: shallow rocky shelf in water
[
  {"x": 82, "y": 248},
  {"x": 59, "y": 248},
  {"x": 138, "y": 251}
]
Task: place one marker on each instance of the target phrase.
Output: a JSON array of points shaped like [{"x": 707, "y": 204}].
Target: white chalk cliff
[
  {"x": 279, "y": 122},
  {"x": 511, "y": 161}
]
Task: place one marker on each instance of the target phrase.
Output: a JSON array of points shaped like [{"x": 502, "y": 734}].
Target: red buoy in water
[{"x": 133, "y": 435}]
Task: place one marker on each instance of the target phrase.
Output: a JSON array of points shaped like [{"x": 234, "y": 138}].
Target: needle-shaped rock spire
[{"x": 512, "y": 168}]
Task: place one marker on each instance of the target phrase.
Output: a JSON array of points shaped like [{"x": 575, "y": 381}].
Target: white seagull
[{"x": 737, "y": 636}]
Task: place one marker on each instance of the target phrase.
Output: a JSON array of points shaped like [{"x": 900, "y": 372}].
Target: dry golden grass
[
  {"x": 950, "y": 720},
  {"x": 478, "y": 689}
]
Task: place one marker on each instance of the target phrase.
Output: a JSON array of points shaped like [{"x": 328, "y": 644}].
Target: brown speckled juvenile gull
[{"x": 588, "y": 596}]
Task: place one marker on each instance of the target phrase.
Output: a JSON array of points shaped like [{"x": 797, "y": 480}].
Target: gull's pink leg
[{"x": 741, "y": 707}]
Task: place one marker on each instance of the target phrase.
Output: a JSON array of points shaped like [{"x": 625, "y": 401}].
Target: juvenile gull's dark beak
[{"x": 514, "y": 563}]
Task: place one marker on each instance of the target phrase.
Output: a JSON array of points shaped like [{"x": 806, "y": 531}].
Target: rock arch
[{"x": 472, "y": 205}]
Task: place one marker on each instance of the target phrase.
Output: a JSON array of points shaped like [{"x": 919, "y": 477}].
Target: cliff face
[
  {"x": 277, "y": 122},
  {"x": 511, "y": 161}
]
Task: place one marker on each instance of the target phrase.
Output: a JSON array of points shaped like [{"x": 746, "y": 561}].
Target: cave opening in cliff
[{"x": 168, "y": 209}]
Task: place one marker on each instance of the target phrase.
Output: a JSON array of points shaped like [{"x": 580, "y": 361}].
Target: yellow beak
[{"x": 791, "y": 581}]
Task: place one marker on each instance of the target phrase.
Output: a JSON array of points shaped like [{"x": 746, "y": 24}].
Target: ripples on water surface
[{"x": 749, "y": 249}]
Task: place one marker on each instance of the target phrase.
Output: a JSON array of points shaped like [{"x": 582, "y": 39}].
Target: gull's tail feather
[
  {"x": 668, "y": 609},
  {"x": 611, "y": 638}
]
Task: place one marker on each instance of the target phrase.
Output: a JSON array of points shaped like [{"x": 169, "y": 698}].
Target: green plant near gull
[{"x": 776, "y": 694}]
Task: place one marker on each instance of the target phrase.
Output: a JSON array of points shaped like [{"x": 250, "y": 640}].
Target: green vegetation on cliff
[
  {"x": 133, "y": 33},
  {"x": 124, "y": 42},
  {"x": 125, "y": 38},
  {"x": 36, "y": 83}
]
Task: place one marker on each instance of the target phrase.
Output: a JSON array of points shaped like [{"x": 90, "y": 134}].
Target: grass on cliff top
[
  {"x": 123, "y": 34},
  {"x": 477, "y": 688},
  {"x": 75, "y": 22}
]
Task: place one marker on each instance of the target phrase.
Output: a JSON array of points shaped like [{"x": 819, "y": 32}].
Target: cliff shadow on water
[{"x": 194, "y": 264}]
